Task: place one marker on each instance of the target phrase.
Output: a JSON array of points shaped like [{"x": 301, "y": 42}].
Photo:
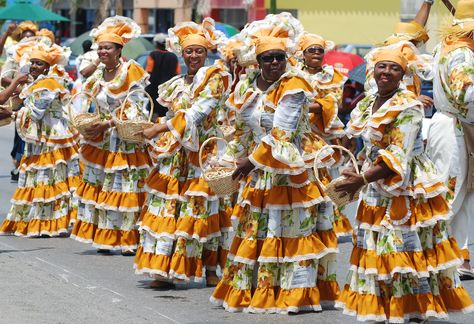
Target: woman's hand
[
  {"x": 20, "y": 78},
  {"x": 352, "y": 182},
  {"x": 426, "y": 101},
  {"x": 98, "y": 129},
  {"x": 153, "y": 131},
  {"x": 244, "y": 166},
  {"x": 5, "y": 113}
]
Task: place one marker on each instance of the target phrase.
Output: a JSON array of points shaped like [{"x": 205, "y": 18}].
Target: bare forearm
[
  {"x": 377, "y": 172},
  {"x": 88, "y": 70},
  {"x": 8, "y": 92},
  {"x": 423, "y": 14},
  {"x": 3, "y": 39}
]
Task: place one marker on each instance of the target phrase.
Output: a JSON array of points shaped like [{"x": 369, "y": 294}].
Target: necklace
[
  {"x": 391, "y": 93},
  {"x": 267, "y": 81},
  {"x": 114, "y": 68}
]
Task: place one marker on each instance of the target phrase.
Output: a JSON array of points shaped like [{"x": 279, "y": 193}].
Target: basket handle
[
  {"x": 200, "y": 153},
  {"x": 152, "y": 104},
  {"x": 338, "y": 147},
  {"x": 86, "y": 94}
]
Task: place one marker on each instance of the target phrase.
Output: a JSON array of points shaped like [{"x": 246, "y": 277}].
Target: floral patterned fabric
[
  {"x": 184, "y": 225},
  {"x": 403, "y": 264},
  {"x": 282, "y": 258},
  {"x": 50, "y": 170},
  {"x": 111, "y": 193}
]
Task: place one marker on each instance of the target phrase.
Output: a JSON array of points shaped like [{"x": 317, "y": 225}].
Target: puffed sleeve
[
  {"x": 279, "y": 150},
  {"x": 184, "y": 125},
  {"x": 401, "y": 134},
  {"x": 460, "y": 70}
]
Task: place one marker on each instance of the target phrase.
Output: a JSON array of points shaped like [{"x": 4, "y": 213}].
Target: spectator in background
[
  {"x": 88, "y": 61},
  {"x": 162, "y": 66}
]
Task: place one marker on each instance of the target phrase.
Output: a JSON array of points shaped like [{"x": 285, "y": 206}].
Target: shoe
[
  {"x": 212, "y": 280},
  {"x": 103, "y": 251},
  {"x": 157, "y": 284},
  {"x": 128, "y": 253},
  {"x": 14, "y": 175},
  {"x": 466, "y": 274}
]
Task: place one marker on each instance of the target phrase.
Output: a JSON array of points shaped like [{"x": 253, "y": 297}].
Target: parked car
[{"x": 211, "y": 58}]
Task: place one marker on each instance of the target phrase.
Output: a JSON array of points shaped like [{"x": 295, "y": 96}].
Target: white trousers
[{"x": 446, "y": 148}]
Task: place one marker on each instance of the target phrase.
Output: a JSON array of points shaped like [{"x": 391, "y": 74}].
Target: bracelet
[
  {"x": 364, "y": 178},
  {"x": 430, "y": 2}
]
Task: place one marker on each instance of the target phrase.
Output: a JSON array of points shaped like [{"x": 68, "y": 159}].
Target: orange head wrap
[
  {"x": 50, "y": 54},
  {"x": 307, "y": 40},
  {"x": 391, "y": 55},
  {"x": 118, "y": 29},
  {"x": 22, "y": 27},
  {"x": 227, "y": 50},
  {"x": 47, "y": 33},
  {"x": 189, "y": 33}
]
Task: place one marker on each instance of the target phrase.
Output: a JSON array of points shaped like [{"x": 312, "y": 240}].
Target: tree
[{"x": 101, "y": 12}]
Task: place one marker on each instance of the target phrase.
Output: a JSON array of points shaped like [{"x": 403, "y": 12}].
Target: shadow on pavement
[{"x": 30, "y": 250}]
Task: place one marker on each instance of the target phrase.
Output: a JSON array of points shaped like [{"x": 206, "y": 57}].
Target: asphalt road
[{"x": 63, "y": 281}]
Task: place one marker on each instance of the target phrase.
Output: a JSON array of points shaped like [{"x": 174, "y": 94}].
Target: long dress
[
  {"x": 50, "y": 169},
  {"x": 182, "y": 224},
  {"x": 403, "y": 264},
  {"x": 327, "y": 85},
  {"x": 283, "y": 256},
  {"x": 111, "y": 193}
]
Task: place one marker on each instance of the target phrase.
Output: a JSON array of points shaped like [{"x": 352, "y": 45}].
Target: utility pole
[{"x": 273, "y": 6}]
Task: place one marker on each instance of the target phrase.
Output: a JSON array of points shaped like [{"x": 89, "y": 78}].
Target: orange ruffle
[
  {"x": 83, "y": 232},
  {"x": 386, "y": 263},
  {"x": 158, "y": 225},
  {"x": 146, "y": 262},
  {"x": 444, "y": 254},
  {"x": 196, "y": 185},
  {"x": 210, "y": 259},
  {"x": 279, "y": 196},
  {"x": 186, "y": 268},
  {"x": 220, "y": 292},
  {"x": 109, "y": 238},
  {"x": 41, "y": 193},
  {"x": 420, "y": 212},
  {"x": 162, "y": 183},
  {"x": 36, "y": 227},
  {"x": 87, "y": 192},
  {"x": 415, "y": 304},
  {"x": 49, "y": 158},
  {"x": 198, "y": 227},
  {"x": 235, "y": 299},
  {"x": 329, "y": 290},
  {"x": 263, "y": 156},
  {"x": 456, "y": 299},
  {"x": 222, "y": 257},
  {"x": 114, "y": 160},
  {"x": 362, "y": 304},
  {"x": 296, "y": 299},
  {"x": 342, "y": 227},
  {"x": 123, "y": 201}
]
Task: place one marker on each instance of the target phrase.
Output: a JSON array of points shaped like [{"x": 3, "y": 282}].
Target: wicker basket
[
  {"x": 219, "y": 179},
  {"x": 127, "y": 129},
  {"x": 14, "y": 102},
  {"x": 245, "y": 57},
  {"x": 339, "y": 198},
  {"x": 227, "y": 132},
  {"x": 85, "y": 120}
]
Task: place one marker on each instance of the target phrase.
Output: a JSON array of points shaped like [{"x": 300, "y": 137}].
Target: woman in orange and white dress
[
  {"x": 282, "y": 258},
  {"x": 327, "y": 84},
  {"x": 181, "y": 225},
  {"x": 403, "y": 264},
  {"x": 50, "y": 169},
  {"x": 111, "y": 193}
]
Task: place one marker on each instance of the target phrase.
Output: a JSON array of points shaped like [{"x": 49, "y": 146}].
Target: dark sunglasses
[
  {"x": 313, "y": 50},
  {"x": 271, "y": 57}
]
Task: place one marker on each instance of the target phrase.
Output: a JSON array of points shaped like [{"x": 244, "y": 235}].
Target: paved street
[{"x": 62, "y": 281}]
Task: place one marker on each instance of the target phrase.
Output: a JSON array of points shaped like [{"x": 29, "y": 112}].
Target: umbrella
[
  {"x": 342, "y": 61},
  {"x": 228, "y": 30},
  {"x": 357, "y": 74},
  {"x": 131, "y": 50},
  {"x": 28, "y": 11}
]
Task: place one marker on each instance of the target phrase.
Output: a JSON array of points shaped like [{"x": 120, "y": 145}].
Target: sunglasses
[
  {"x": 313, "y": 50},
  {"x": 269, "y": 58}
]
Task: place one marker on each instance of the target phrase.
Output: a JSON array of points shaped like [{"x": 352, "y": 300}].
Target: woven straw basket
[
  {"x": 219, "y": 179},
  {"x": 14, "y": 102},
  {"x": 127, "y": 129},
  {"x": 85, "y": 120},
  {"x": 339, "y": 198}
]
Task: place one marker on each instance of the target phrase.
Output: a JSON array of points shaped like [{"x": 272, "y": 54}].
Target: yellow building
[{"x": 357, "y": 21}]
